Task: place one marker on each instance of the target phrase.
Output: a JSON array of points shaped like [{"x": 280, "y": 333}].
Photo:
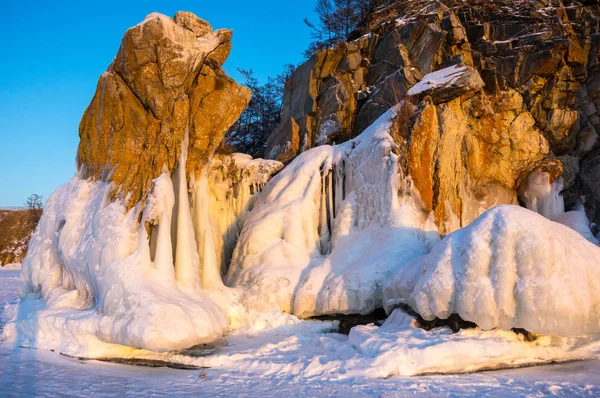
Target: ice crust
[
  {"x": 510, "y": 268},
  {"x": 541, "y": 194}
]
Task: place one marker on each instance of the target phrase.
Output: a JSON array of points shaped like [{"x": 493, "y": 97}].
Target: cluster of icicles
[{"x": 193, "y": 233}]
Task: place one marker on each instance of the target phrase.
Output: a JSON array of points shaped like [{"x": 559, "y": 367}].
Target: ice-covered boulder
[{"x": 510, "y": 268}]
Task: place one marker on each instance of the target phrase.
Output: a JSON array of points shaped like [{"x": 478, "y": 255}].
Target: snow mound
[
  {"x": 330, "y": 228},
  {"x": 400, "y": 347},
  {"x": 510, "y": 268}
]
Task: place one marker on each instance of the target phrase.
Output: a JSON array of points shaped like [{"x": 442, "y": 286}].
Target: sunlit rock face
[
  {"x": 494, "y": 89},
  {"x": 165, "y": 80}
]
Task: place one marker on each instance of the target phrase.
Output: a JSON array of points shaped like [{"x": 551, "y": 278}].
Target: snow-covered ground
[{"x": 281, "y": 368}]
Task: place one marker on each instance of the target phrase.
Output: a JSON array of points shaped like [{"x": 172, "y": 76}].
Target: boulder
[{"x": 165, "y": 83}]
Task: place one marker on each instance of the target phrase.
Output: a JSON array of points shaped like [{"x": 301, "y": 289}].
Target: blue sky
[{"x": 54, "y": 52}]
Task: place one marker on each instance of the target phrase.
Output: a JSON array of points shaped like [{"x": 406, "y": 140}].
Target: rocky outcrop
[
  {"x": 488, "y": 91},
  {"x": 16, "y": 228},
  {"x": 465, "y": 155},
  {"x": 165, "y": 83}
]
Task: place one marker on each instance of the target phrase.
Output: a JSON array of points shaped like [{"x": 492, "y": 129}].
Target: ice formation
[
  {"x": 577, "y": 220},
  {"x": 540, "y": 193},
  {"x": 510, "y": 268},
  {"x": 330, "y": 228},
  {"x": 339, "y": 230},
  {"x": 94, "y": 278}
]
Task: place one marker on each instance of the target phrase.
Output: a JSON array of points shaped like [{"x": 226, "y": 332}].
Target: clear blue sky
[{"x": 54, "y": 51}]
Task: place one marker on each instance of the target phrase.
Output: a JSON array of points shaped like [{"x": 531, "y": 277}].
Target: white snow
[
  {"x": 150, "y": 17},
  {"x": 287, "y": 363},
  {"x": 577, "y": 220},
  {"x": 510, "y": 268},
  {"x": 328, "y": 128},
  {"x": 439, "y": 78},
  {"x": 279, "y": 354}
]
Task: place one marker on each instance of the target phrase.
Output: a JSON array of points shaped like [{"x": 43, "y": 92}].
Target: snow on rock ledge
[
  {"x": 510, "y": 268},
  {"x": 446, "y": 84}
]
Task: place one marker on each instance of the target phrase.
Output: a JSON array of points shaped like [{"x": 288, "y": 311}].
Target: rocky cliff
[
  {"x": 492, "y": 95},
  {"x": 16, "y": 228},
  {"x": 165, "y": 89}
]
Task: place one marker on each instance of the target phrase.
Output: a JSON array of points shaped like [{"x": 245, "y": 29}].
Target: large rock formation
[
  {"x": 165, "y": 82},
  {"x": 489, "y": 91},
  {"x": 137, "y": 242}
]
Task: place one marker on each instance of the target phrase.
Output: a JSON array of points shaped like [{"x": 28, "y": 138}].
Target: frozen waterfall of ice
[
  {"x": 330, "y": 228},
  {"x": 99, "y": 277}
]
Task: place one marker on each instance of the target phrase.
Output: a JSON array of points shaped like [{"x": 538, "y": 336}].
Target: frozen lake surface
[{"x": 30, "y": 372}]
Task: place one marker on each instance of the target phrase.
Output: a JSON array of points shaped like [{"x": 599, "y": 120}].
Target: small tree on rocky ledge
[
  {"x": 34, "y": 205},
  {"x": 34, "y": 202},
  {"x": 263, "y": 114},
  {"x": 337, "y": 19}
]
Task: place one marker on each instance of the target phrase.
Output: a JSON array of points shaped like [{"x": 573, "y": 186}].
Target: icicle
[
  {"x": 209, "y": 266},
  {"x": 329, "y": 195},
  {"x": 160, "y": 238},
  {"x": 186, "y": 254},
  {"x": 542, "y": 196},
  {"x": 324, "y": 231},
  {"x": 339, "y": 177}
]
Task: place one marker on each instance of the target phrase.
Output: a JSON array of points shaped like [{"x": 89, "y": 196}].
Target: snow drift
[{"x": 510, "y": 268}]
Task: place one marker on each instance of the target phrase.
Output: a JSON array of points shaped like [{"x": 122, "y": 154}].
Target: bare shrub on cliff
[
  {"x": 263, "y": 114},
  {"x": 336, "y": 20}
]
